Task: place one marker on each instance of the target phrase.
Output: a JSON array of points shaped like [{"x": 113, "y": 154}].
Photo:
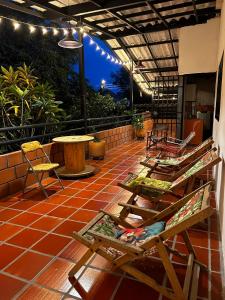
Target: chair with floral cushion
[
  {"x": 126, "y": 246},
  {"x": 175, "y": 146},
  {"x": 153, "y": 189},
  {"x": 38, "y": 170},
  {"x": 170, "y": 165}
]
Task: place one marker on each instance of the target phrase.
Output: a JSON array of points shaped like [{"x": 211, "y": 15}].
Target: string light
[
  {"x": 44, "y": 30},
  {"x": 32, "y": 29},
  {"x": 55, "y": 31},
  {"x": 16, "y": 25}
]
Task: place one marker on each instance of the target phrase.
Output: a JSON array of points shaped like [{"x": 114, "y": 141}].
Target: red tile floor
[{"x": 37, "y": 251}]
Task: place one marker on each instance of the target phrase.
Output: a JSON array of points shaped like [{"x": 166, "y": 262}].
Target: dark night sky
[{"x": 97, "y": 67}]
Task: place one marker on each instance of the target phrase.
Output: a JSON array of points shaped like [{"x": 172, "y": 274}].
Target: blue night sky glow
[{"x": 97, "y": 67}]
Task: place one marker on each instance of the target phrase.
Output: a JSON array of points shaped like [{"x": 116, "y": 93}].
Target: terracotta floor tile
[
  {"x": 9, "y": 287},
  {"x": 104, "y": 181},
  {"x": 105, "y": 197},
  {"x": 7, "y": 214},
  {"x": 24, "y": 204},
  {"x": 133, "y": 290},
  {"x": 83, "y": 215},
  {"x": 74, "y": 251},
  {"x": 26, "y": 238},
  {"x": 215, "y": 260},
  {"x": 57, "y": 199},
  {"x": 8, "y": 254},
  {"x": 67, "y": 227},
  {"x": 95, "y": 205},
  {"x": 86, "y": 194},
  {"x": 51, "y": 244},
  {"x": 47, "y": 223},
  {"x": 7, "y": 202},
  {"x": 42, "y": 208},
  {"x": 37, "y": 293},
  {"x": 106, "y": 288},
  {"x": 112, "y": 189},
  {"x": 75, "y": 202},
  {"x": 25, "y": 219},
  {"x": 28, "y": 265},
  {"x": 7, "y": 230},
  {"x": 96, "y": 187},
  {"x": 62, "y": 212},
  {"x": 79, "y": 185},
  {"x": 68, "y": 191},
  {"x": 56, "y": 276}
]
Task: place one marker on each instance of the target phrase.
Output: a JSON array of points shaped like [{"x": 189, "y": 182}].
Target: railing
[{"x": 12, "y": 137}]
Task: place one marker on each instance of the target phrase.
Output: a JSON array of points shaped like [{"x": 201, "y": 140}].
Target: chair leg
[
  {"x": 60, "y": 181},
  {"x": 40, "y": 184},
  {"x": 25, "y": 181}
]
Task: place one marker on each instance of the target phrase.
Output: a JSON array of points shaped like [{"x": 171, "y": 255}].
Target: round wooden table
[{"x": 74, "y": 156}]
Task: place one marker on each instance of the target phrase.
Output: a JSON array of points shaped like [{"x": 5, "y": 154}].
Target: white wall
[
  {"x": 197, "y": 47},
  {"x": 219, "y": 136}
]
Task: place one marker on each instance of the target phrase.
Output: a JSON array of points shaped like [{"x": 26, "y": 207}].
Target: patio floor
[{"x": 37, "y": 251}]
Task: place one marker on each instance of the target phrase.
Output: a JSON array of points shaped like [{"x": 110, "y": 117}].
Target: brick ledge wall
[{"x": 13, "y": 166}]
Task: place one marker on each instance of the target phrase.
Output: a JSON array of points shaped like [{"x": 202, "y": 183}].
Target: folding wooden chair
[
  {"x": 125, "y": 245},
  {"x": 167, "y": 166},
  {"x": 175, "y": 146},
  {"x": 38, "y": 169},
  {"x": 153, "y": 189}
]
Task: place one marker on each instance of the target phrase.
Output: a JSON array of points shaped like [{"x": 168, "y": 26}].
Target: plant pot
[
  {"x": 97, "y": 149},
  {"x": 140, "y": 133}
]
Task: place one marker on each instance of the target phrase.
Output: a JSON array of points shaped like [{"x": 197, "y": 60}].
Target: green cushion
[{"x": 151, "y": 182}]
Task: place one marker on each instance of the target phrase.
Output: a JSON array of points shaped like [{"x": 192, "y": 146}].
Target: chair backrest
[
  {"x": 187, "y": 140},
  {"x": 31, "y": 146},
  {"x": 207, "y": 160}
]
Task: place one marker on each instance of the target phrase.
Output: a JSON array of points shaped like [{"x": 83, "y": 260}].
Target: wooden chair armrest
[{"x": 140, "y": 211}]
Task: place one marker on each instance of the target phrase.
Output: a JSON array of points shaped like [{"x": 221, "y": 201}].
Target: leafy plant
[{"x": 138, "y": 121}]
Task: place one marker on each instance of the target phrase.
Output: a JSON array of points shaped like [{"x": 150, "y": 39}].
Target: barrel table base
[{"x": 87, "y": 171}]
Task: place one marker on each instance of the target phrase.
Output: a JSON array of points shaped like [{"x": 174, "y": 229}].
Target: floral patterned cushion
[
  {"x": 150, "y": 182},
  {"x": 204, "y": 161},
  {"x": 191, "y": 207},
  {"x": 137, "y": 236}
]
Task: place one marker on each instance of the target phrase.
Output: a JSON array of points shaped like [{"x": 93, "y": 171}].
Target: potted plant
[
  {"x": 97, "y": 148},
  {"x": 138, "y": 125}
]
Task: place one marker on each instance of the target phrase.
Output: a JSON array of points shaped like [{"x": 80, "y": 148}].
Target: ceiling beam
[
  {"x": 150, "y": 44},
  {"x": 174, "y": 24},
  {"x": 195, "y": 10},
  {"x": 21, "y": 9},
  {"x": 159, "y": 58},
  {"x": 162, "y": 70}
]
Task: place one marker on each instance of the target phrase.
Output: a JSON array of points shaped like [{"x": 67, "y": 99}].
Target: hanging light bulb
[
  {"x": 113, "y": 59},
  {"x": 44, "y": 30},
  {"x": 84, "y": 34},
  {"x": 91, "y": 42},
  {"x": 103, "y": 52},
  {"x": 32, "y": 29},
  {"x": 69, "y": 41},
  {"x": 97, "y": 48},
  {"x": 16, "y": 25},
  {"x": 55, "y": 31},
  {"x": 65, "y": 31},
  {"x": 108, "y": 56}
]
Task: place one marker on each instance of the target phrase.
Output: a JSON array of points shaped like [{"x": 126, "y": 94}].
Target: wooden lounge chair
[
  {"x": 153, "y": 189},
  {"x": 125, "y": 246},
  {"x": 166, "y": 166},
  {"x": 175, "y": 146}
]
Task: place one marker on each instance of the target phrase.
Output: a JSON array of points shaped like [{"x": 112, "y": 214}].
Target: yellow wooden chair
[{"x": 38, "y": 169}]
